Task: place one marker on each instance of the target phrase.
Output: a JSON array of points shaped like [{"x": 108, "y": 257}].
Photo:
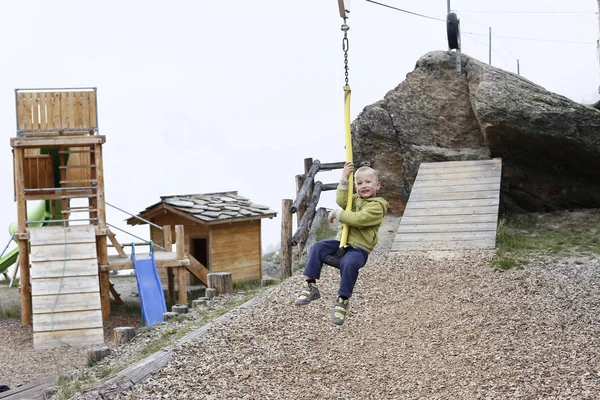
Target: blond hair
[{"x": 367, "y": 169}]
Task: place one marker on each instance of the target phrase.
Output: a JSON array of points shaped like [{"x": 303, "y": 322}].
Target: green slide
[{"x": 36, "y": 211}]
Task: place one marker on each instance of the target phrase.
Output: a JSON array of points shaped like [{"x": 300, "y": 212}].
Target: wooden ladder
[{"x": 78, "y": 188}]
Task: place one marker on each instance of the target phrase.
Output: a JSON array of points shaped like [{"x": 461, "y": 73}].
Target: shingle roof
[{"x": 216, "y": 207}]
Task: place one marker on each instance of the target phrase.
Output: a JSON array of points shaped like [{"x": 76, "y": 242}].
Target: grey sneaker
[
  {"x": 308, "y": 293},
  {"x": 340, "y": 308}
]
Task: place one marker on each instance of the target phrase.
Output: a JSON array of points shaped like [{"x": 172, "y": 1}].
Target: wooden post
[
  {"x": 124, "y": 334},
  {"x": 63, "y": 177},
  {"x": 101, "y": 251},
  {"x": 286, "y": 238},
  {"x": 101, "y": 241},
  {"x": 181, "y": 274},
  {"x": 26, "y": 312},
  {"x": 221, "y": 281},
  {"x": 168, "y": 242},
  {"x": 302, "y": 208}
]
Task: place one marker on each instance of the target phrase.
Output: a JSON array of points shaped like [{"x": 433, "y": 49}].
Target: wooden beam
[
  {"x": 26, "y": 313},
  {"x": 100, "y": 202},
  {"x": 304, "y": 192},
  {"x": 303, "y": 228},
  {"x": 102, "y": 251},
  {"x": 181, "y": 274},
  {"x": 116, "y": 243},
  {"x": 168, "y": 245},
  {"x": 198, "y": 269},
  {"x": 56, "y": 141},
  {"x": 286, "y": 238}
]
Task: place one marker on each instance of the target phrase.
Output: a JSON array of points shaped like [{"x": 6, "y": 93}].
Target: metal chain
[{"x": 345, "y": 47}]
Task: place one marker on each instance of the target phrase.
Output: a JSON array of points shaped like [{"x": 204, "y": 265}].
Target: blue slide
[{"x": 151, "y": 293}]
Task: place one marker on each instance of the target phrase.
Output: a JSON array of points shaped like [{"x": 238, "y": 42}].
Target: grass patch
[
  {"x": 10, "y": 311},
  {"x": 560, "y": 234}
]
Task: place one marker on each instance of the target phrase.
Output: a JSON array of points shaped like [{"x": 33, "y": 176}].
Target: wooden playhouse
[
  {"x": 63, "y": 259},
  {"x": 222, "y": 232}
]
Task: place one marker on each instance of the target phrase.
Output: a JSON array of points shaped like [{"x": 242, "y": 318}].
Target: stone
[
  {"x": 180, "y": 308},
  {"x": 169, "y": 315},
  {"x": 549, "y": 145},
  {"x": 181, "y": 203}
]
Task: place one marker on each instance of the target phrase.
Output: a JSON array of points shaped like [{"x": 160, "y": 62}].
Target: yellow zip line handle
[{"x": 348, "y": 134}]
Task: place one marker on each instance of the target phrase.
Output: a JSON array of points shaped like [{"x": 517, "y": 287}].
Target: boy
[{"x": 363, "y": 223}]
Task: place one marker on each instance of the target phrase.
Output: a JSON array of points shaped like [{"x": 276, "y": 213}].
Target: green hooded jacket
[{"x": 363, "y": 221}]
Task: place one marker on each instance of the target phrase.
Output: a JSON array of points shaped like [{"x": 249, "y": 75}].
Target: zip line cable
[{"x": 406, "y": 11}]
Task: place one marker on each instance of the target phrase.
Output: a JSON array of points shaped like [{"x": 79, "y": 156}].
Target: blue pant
[{"x": 353, "y": 260}]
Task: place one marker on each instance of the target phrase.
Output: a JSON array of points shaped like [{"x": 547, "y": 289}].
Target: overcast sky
[{"x": 201, "y": 96}]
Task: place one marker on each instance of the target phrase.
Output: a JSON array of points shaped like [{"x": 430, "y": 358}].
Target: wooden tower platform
[
  {"x": 452, "y": 205},
  {"x": 58, "y": 158}
]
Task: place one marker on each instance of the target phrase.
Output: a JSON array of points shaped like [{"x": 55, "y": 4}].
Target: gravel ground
[
  {"x": 438, "y": 325},
  {"x": 22, "y": 364}
]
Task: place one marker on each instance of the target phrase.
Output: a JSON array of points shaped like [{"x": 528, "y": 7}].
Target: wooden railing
[{"x": 308, "y": 192}]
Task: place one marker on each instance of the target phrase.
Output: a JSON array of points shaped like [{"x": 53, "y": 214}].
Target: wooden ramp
[
  {"x": 452, "y": 205},
  {"x": 64, "y": 287}
]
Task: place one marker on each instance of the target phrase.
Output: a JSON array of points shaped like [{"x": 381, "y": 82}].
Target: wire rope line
[
  {"x": 506, "y": 47},
  {"x": 137, "y": 237},
  {"x": 532, "y": 39},
  {"x": 472, "y": 20},
  {"x": 405, "y": 11},
  {"x": 6, "y": 248},
  {"x": 529, "y": 12},
  {"x": 134, "y": 216}
]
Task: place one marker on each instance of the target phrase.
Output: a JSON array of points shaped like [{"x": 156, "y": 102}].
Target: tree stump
[
  {"x": 210, "y": 293},
  {"x": 198, "y": 303},
  {"x": 220, "y": 281},
  {"x": 180, "y": 309},
  {"x": 97, "y": 353},
  {"x": 169, "y": 315},
  {"x": 123, "y": 334}
]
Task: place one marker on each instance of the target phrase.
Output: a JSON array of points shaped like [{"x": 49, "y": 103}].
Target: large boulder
[{"x": 550, "y": 145}]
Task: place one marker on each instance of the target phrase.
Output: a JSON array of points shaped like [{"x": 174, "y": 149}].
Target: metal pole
[
  {"x": 490, "y": 50},
  {"x": 449, "y": 6},
  {"x": 518, "y": 68}
]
